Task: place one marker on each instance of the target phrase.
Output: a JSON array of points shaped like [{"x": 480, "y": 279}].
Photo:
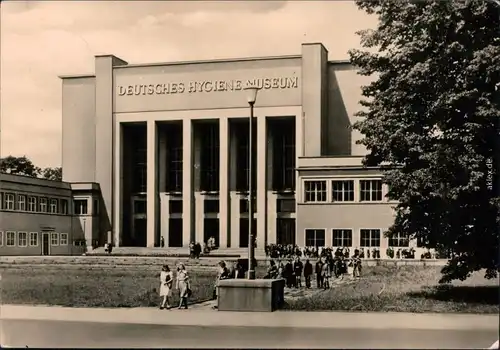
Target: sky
[{"x": 40, "y": 40}]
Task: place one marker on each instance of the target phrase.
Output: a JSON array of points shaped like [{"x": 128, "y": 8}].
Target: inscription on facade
[{"x": 169, "y": 88}]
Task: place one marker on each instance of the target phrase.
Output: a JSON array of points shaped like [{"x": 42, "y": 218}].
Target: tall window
[
  {"x": 174, "y": 157},
  {"x": 371, "y": 190},
  {"x": 139, "y": 159},
  {"x": 33, "y": 239},
  {"x": 315, "y": 191},
  {"x": 53, "y": 206},
  {"x": 43, "y": 205},
  {"x": 283, "y": 132},
  {"x": 63, "y": 239},
  {"x": 32, "y": 204},
  {"x": 342, "y": 238},
  {"x": 11, "y": 239},
  {"x": 242, "y": 164},
  {"x": 22, "y": 239},
  {"x": 209, "y": 156},
  {"x": 81, "y": 206},
  {"x": 370, "y": 238},
  {"x": 21, "y": 202},
  {"x": 343, "y": 191},
  {"x": 64, "y": 206},
  {"x": 54, "y": 238},
  {"x": 315, "y": 237},
  {"x": 9, "y": 201},
  {"x": 399, "y": 240}
]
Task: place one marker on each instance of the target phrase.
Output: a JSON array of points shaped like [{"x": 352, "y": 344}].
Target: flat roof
[{"x": 34, "y": 181}]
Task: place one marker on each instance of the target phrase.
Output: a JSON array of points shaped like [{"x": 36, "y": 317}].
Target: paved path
[{"x": 50, "y": 334}]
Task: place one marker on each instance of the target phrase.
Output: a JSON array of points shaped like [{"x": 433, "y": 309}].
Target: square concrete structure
[{"x": 264, "y": 295}]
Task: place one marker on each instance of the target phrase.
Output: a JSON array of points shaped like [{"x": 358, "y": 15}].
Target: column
[
  {"x": 187, "y": 182},
  {"x": 152, "y": 183},
  {"x": 118, "y": 185},
  {"x": 234, "y": 198},
  {"x": 224, "y": 210},
  {"x": 261, "y": 182}
]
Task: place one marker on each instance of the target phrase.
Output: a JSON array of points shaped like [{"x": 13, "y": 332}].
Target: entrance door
[
  {"x": 45, "y": 243},
  {"x": 140, "y": 232}
]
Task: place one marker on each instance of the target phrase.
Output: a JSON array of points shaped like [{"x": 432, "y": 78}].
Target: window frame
[
  {"x": 399, "y": 238},
  {"x": 371, "y": 230},
  {"x": 42, "y": 201},
  {"x": 66, "y": 240},
  {"x": 52, "y": 235},
  {"x": 350, "y": 193},
  {"x": 343, "y": 237},
  {"x": 23, "y": 202},
  {"x": 315, "y": 236},
  {"x": 64, "y": 206},
  {"x": 7, "y": 238},
  {"x": 19, "y": 233},
  {"x": 53, "y": 206},
  {"x": 370, "y": 191},
  {"x": 75, "y": 206},
  {"x": 34, "y": 204},
  {"x": 35, "y": 234},
  {"x": 7, "y": 196},
  {"x": 314, "y": 190}
]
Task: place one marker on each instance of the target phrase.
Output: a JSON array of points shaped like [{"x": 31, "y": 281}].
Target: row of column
[{"x": 153, "y": 203}]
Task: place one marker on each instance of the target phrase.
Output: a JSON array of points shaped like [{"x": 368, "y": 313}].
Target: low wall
[{"x": 259, "y": 295}]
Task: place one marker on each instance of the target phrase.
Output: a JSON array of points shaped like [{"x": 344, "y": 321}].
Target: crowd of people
[
  {"x": 281, "y": 251},
  {"x": 328, "y": 266}
]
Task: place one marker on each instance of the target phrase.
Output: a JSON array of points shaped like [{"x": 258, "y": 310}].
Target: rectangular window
[
  {"x": 399, "y": 240},
  {"x": 343, "y": 191},
  {"x": 11, "y": 239},
  {"x": 53, "y": 206},
  {"x": 371, "y": 190},
  {"x": 244, "y": 222},
  {"x": 33, "y": 239},
  {"x": 21, "y": 202},
  {"x": 54, "y": 238},
  {"x": 370, "y": 238},
  {"x": 137, "y": 135},
  {"x": 342, "y": 238},
  {"x": 241, "y": 134},
  {"x": 315, "y": 237},
  {"x": 283, "y": 145},
  {"x": 211, "y": 206},
  {"x": 285, "y": 205},
  {"x": 244, "y": 205},
  {"x": 9, "y": 201},
  {"x": 175, "y": 206},
  {"x": 1, "y": 238},
  {"x": 174, "y": 156},
  {"x": 140, "y": 206},
  {"x": 32, "y": 204},
  {"x": 22, "y": 239},
  {"x": 64, "y": 206},
  {"x": 80, "y": 206},
  {"x": 63, "y": 239},
  {"x": 43, "y": 205},
  {"x": 209, "y": 142},
  {"x": 315, "y": 191}
]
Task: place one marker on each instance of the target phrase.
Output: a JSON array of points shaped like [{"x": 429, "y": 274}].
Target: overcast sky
[{"x": 42, "y": 39}]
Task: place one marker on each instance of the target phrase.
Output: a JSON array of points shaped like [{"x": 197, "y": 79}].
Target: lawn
[
  {"x": 93, "y": 286},
  {"x": 405, "y": 289}
]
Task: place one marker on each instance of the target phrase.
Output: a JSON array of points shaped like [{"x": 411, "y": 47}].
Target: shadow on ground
[{"x": 486, "y": 295}]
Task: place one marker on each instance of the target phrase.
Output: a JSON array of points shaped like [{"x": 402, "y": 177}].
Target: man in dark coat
[
  {"x": 308, "y": 270},
  {"x": 319, "y": 277},
  {"x": 297, "y": 269},
  {"x": 289, "y": 274}
]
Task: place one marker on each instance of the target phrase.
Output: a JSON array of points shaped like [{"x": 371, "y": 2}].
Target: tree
[
  {"x": 430, "y": 121},
  {"x": 19, "y": 166},
  {"x": 52, "y": 173}
]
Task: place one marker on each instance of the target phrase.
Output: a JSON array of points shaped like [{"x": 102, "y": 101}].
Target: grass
[
  {"x": 382, "y": 288},
  {"x": 75, "y": 286},
  {"x": 405, "y": 289}
]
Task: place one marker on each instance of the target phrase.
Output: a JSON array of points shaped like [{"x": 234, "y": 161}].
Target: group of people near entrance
[
  {"x": 326, "y": 268},
  {"x": 182, "y": 285},
  {"x": 286, "y": 251}
]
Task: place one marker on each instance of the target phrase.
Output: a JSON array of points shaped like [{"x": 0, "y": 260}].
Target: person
[
  {"x": 289, "y": 273},
  {"x": 191, "y": 250},
  {"x": 183, "y": 285},
  {"x": 272, "y": 271},
  {"x": 197, "y": 250},
  {"x": 166, "y": 279},
  {"x": 281, "y": 270},
  {"x": 356, "y": 272},
  {"x": 297, "y": 270},
  {"x": 325, "y": 274},
  {"x": 222, "y": 275},
  {"x": 308, "y": 270},
  {"x": 318, "y": 269}
]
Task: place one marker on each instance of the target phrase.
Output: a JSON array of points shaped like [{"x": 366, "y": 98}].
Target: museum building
[{"x": 167, "y": 144}]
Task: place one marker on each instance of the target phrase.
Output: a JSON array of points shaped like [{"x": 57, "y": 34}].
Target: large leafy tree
[
  {"x": 430, "y": 118},
  {"x": 24, "y": 166}
]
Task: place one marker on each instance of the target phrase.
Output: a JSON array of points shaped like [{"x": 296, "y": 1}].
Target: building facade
[{"x": 168, "y": 145}]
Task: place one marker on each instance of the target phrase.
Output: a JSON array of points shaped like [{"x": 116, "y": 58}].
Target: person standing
[
  {"x": 308, "y": 270},
  {"x": 325, "y": 275},
  {"x": 297, "y": 269},
  {"x": 183, "y": 285},
  {"x": 318, "y": 269},
  {"x": 166, "y": 280},
  {"x": 223, "y": 274},
  {"x": 289, "y": 274}
]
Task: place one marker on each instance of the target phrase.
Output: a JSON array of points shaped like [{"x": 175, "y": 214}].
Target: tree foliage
[
  {"x": 25, "y": 167},
  {"x": 431, "y": 114}
]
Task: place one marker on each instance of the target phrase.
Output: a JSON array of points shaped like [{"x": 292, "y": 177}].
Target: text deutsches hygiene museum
[{"x": 208, "y": 86}]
